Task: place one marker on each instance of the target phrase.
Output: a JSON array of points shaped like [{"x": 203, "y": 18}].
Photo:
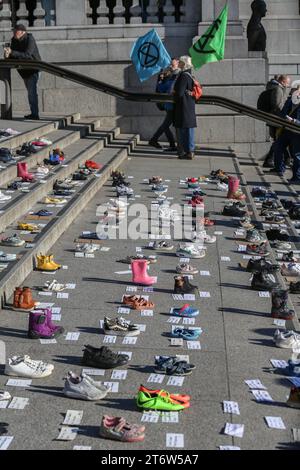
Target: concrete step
[{"x": 111, "y": 158}]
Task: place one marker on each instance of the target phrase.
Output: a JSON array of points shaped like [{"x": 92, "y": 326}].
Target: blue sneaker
[
  {"x": 184, "y": 333},
  {"x": 185, "y": 311},
  {"x": 43, "y": 213},
  {"x": 294, "y": 368}
]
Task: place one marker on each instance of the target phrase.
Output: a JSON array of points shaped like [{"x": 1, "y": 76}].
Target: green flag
[{"x": 211, "y": 46}]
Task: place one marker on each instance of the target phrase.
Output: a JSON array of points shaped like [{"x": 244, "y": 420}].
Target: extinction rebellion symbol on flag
[
  {"x": 200, "y": 46},
  {"x": 148, "y": 54}
]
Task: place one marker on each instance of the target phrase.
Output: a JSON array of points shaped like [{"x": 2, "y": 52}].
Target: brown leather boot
[
  {"x": 28, "y": 302},
  {"x": 18, "y": 298}
]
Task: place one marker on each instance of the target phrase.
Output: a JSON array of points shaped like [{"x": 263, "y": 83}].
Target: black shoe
[
  {"x": 263, "y": 281},
  {"x": 277, "y": 234},
  {"x": 182, "y": 286},
  {"x": 288, "y": 257},
  {"x": 154, "y": 143},
  {"x": 34, "y": 117},
  {"x": 233, "y": 211},
  {"x": 172, "y": 149},
  {"x": 273, "y": 171},
  {"x": 62, "y": 192},
  {"x": 79, "y": 177},
  {"x": 102, "y": 358},
  {"x": 259, "y": 265}
]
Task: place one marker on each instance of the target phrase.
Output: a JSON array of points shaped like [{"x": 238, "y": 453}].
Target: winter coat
[
  {"x": 278, "y": 96},
  {"x": 25, "y": 48},
  {"x": 166, "y": 86},
  {"x": 291, "y": 110},
  {"x": 185, "y": 108}
]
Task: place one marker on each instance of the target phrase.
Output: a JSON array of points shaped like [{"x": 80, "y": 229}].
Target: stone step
[{"x": 111, "y": 158}]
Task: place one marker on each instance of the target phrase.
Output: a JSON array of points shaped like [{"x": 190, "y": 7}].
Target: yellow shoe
[
  {"x": 52, "y": 262},
  {"x": 43, "y": 263},
  {"x": 54, "y": 200},
  {"x": 29, "y": 227}
]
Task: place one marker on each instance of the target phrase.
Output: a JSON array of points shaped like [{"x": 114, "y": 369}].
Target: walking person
[
  {"x": 23, "y": 46},
  {"x": 165, "y": 84},
  {"x": 185, "y": 110}
]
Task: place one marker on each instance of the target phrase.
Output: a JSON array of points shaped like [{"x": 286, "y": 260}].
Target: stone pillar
[
  {"x": 212, "y": 8},
  {"x": 71, "y": 13},
  {"x": 5, "y": 15}
]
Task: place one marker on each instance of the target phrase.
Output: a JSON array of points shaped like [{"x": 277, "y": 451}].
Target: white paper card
[
  {"x": 188, "y": 321},
  {"x": 48, "y": 341},
  {"x": 275, "y": 422},
  {"x": 131, "y": 289},
  {"x": 109, "y": 339},
  {"x": 175, "y": 440},
  {"x": 70, "y": 286},
  {"x": 176, "y": 381},
  {"x": 3, "y": 404},
  {"x": 231, "y": 407},
  {"x": 113, "y": 386},
  {"x": 73, "y": 417},
  {"x": 82, "y": 448},
  {"x": 184, "y": 260},
  {"x": 204, "y": 273},
  {"x": 176, "y": 342},
  {"x": 225, "y": 258},
  {"x": 242, "y": 248},
  {"x": 189, "y": 297},
  {"x": 279, "y": 363},
  {"x": 62, "y": 295},
  {"x": 72, "y": 336},
  {"x": 46, "y": 294},
  {"x": 141, "y": 327},
  {"x": 56, "y": 317},
  {"x": 65, "y": 267},
  {"x": 170, "y": 417},
  {"x": 119, "y": 374},
  {"x": 193, "y": 345},
  {"x": 147, "y": 313},
  {"x": 67, "y": 433},
  {"x": 148, "y": 289},
  {"x": 204, "y": 294},
  {"x": 19, "y": 383},
  {"x": 175, "y": 320},
  {"x": 279, "y": 322},
  {"x": 129, "y": 340},
  {"x": 105, "y": 248},
  {"x": 150, "y": 417},
  {"x": 236, "y": 430},
  {"x": 264, "y": 294},
  {"x": 5, "y": 442},
  {"x": 218, "y": 233},
  {"x": 262, "y": 395},
  {"x": 78, "y": 254},
  {"x": 18, "y": 403},
  {"x": 229, "y": 448},
  {"x": 156, "y": 378},
  {"x": 255, "y": 384},
  {"x": 127, "y": 353},
  {"x": 94, "y": 371},
  {"x": 56, "y": 309}
]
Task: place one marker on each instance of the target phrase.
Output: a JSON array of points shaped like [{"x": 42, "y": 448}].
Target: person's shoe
[
  {"x": 118, "y": 429},
  {"x": 203, "y": 236},
  {"x": 43, "y": 213},
  {"x": 186, "y": 334},
  {"x": 90, "y": 164},
  {"x": 277, "y": 234},
  {"x": 190, "y": 251},
  {"x": 259, "y": 265},
  {"x": 118, "y": 326},
  {"x": 182, "y": 286},
  {"x": 154, "y": 143},
  {"x": 174, "y": 396},
  {"x": 23, "y": 299},
  {"x": 79, "y": 177},
  {"x": 155, "y": 180},
  {"x": 4, "y": 197},
  {"x": 137, "y": 302},
  {"x": 33, "y": 117},
  {"x": 290, "y": 269},
  {"x": 186, "y": 269},
  {"x": 54, "y": 200},
  {"x": 280, "y": 305},
  {"x": 81, "y": 388},
  {"x": 140, "y": 274},
  {"x": 233, "y": 211},
  {"x": 294, "y": 398},
  {"x": 86, "y": 247},
  {"x": 103, "y": 358},
  {"x": 29, "y": 227},
  {"x": 189, "y": 156},
  {"x": 162, "y": 245},
  {"x": 38, "y": 328},
  {"x": 160, "y": 401},
  {"x": 14, "y": 240},
  {"x": 253, "y": 236},
  {"x": 283, "y": 246},
  {"x": 44, "y": 263},
  {"x": 24, "y": 366},
  {"x": 257, "y": 250},
  {"x": 171, "y": 365},
  {"x": 185, "y": 311},
  {"x": 263, "y": 281},
  {"x": 288, "y": 340}
]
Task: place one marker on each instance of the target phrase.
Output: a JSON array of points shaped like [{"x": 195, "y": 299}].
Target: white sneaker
[
  {"x": 8, "y": 257},
  {"x": 222, "y": 186},
  {"x": 283, "y": 246},
  {"x": 190, "y": 251},
  {"x": 203, "y": 236},
  {"x": 165, "y": 213},
  {"x": 87, "y": 248},
  {"x": 24, "y": 366},
  {"x": 54, "y": 286},
  {"x": 4, "y": 197},
  {"x": 118, "y": 203},
  {"x": 290, "y": 269},
  {"x": 289, "y": 340},
  {"x": 4, "y": 395}
]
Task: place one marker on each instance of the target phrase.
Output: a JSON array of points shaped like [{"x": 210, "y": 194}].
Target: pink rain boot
[
  {"x": 57, "y": 330},
  {"x": 23, "y": 172},
  {"x": 140, "y": 274},
  {"x": 233, "y": 189}
]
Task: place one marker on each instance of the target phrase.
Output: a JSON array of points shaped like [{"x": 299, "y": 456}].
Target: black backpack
[{"x": 264, "y": 101}]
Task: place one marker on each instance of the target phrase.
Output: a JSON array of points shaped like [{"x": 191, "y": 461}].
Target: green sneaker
[{"x": 161, "y": 401}]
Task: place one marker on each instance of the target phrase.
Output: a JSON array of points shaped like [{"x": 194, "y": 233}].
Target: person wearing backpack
[
  {"x": 165, "y": 84},
  {"x": 291, "y": 112},
  {"x": 185, "y": 109}
]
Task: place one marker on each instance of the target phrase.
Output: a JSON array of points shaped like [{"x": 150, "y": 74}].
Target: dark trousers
[
  {"x": 31, "y": 86},
  {"x": 287, "y": 139},
  {"x": 165, "y": 129}
]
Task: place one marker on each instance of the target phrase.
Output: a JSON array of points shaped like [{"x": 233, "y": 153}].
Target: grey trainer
[{"x": 82, "y": 388}]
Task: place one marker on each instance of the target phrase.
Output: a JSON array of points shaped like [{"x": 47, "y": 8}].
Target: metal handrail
[{"x": 211, "y": 100}]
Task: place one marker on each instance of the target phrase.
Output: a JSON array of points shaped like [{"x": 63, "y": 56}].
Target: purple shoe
[{"x": 37, "y": 327}]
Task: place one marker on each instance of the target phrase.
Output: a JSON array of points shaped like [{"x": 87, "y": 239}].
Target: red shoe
[
  {"x": 192, "y": 180},
  {"x": 93, "y": 165},
  {"x": 184, "y": 399},
  {"x": 196, "y": 200}
]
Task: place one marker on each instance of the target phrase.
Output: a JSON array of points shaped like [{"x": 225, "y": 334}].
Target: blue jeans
[
  {"x": 165, "y": 128},
  {"x": 31, "y": 85},
  {"x": 186, "y": 136},
  {"x": 280, "y": 146}
]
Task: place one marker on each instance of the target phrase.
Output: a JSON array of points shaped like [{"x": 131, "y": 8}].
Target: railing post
[
  {"x": 6, "y": 15},
  {"x": 5, "y": 93},
  {"x": 152, "y": 12},
  {"x": 39, "y": 15},
  {"x": 119, "y": 12},
  {"x": 103, "y": 13},
  {"x": 22, "y": 14},
  {"x": 136, "y": 13}
]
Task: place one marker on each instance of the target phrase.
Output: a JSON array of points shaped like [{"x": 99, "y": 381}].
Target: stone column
[
  {"x": 212, "y": 8},
  {"x": 71, "y": 13}
]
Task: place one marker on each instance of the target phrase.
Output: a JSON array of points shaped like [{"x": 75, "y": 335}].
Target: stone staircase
[{"x": 81, "y": 140}]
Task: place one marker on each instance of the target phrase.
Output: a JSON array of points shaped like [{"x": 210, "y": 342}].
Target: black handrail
[{"x": 89, "y": 82}]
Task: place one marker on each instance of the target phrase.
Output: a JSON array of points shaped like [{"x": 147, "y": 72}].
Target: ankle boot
[
  {"x": 182, "y": 285},
  {"x": 52, "y": 262},
  {"x": 57, "y": 330},
  {"x": 43, "y": 264},
  {"x": 280, "y": 305},
  {"x": 259, "y": 265},
  {"x": 17, "y": 297},
  {"x": 22, "y": 172},
  {"x": 27, "y": 298},
  {"x": 140, "y": 274},
  {"x": 233, "y": 189},
  {"x": 37, "y": 326},
  {"x": 263, "y": 281}
]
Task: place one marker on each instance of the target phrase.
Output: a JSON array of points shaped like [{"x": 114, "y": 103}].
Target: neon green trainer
[{"x": 161, "y": 401}]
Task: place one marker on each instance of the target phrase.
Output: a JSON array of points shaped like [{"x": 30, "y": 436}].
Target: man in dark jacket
[
  {"x": 23, "y": 46},
  {"x": 185, "y": 109}
]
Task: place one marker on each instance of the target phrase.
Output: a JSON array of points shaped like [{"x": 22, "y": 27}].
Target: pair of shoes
[
  {"x": 259, "y": 265},
  {"x": 118, "y": 429},
  {"x": 154, "y": 143},
  {"x": 294, "y": 398},
  {"x": 86, "y": 248},
  {"x": 182, "y": 285},
  {"x": 24, "y": 366},
  {"x": 137, "y": 302},
  {"x": 79, "y": 177},
  {"x": 186, "y": 334},
  {"x": 40, "y": 325},
  {"x": 91, "y": 165},
  {"x": 161, "y": 400},
  {"x": 290, "y": 269},
  {"x": 14, "y": 240},
  {"x": 277, "y": 234},
  {"x": 287, "y": 339},
  {"x": 54, "y": 200},
  {"x": 233, "y": 211},
  {"x": 43, "y": 213},
  {"x": 118, "y": 326},
  {"x": 263, "y": 281},
  {"x": 253, "y": 236},
  {"x": 257, "y": 249},
  {"x": 46, "y": 263},
  {"x": 185, "y": 311},
  {"x": 4, "y": 197},
  {"x": 140, "y": 274},
  {"x": 103, "y": 358},
  {"x": 187, "y": 269},
  {"x": 189, "y": 251},
  {"x": 23, "y": 299},
  {"x": 84, "y": 388},
  {"x": 53, "y": 286},
  {"x": 29, "y": 227},
  {"x": 172, "y": 366},
  {"x": 280, "y": 305},
  {"x": 34, "y": 117}
]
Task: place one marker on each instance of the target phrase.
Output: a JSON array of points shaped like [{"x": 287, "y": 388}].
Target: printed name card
[
  {"x": 275, "y": 422},
  {"x": 73, "y": 417},
  {"x": 231, "y": 407}
]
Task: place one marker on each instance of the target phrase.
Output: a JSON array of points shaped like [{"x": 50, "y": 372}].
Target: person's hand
[
  {"x": 7, "y": 52},
  {"x": 288, "y": 118}
]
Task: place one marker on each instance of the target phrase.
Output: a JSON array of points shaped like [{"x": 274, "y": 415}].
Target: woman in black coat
[{"x": 185, "y": 110}]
